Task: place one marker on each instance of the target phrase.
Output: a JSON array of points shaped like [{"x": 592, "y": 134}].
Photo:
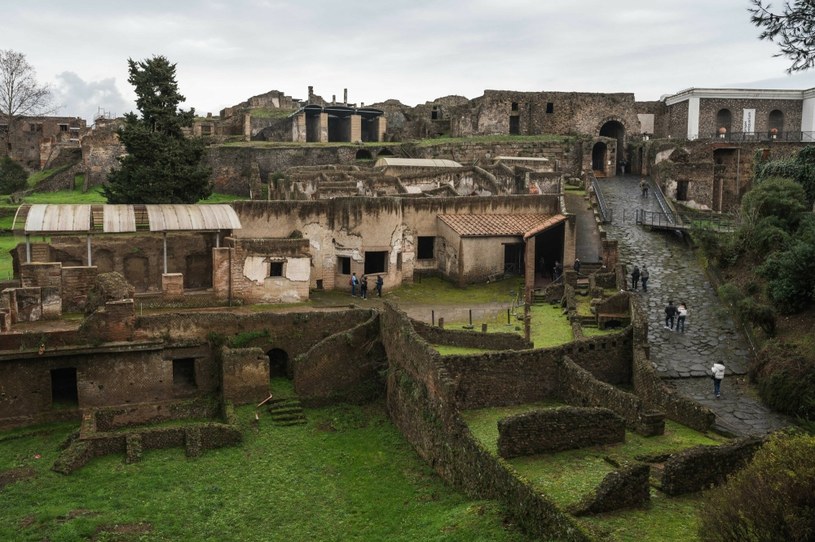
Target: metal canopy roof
[
  {"x": 41, "y": 218},
  {"x": 415, "y": 162}
]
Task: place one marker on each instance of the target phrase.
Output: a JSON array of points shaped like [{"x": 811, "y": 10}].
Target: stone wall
[
  {"x": 419, "y": 399},
  {"x": 628, "y": 487},
  {"x": 558, "y": 429},
  {"x": 76, "y": 283},
  {"x": 702, "y": 467},
  {"x": 709, "y": 108},
  {"x": 471, "y": 339},
  {"x": 244, "y": 375},
  {"x": 346, "y": 366}
]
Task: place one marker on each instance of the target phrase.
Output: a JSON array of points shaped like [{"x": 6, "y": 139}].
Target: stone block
[
  {"x": 28, "y": 302},
  {"x": 172, "y": 285}
]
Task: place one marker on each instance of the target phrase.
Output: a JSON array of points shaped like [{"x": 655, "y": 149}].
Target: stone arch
[
  {"x": 363, "y": 154},
  {"x": 103, "y": 260},
  {"x": 278, "y": 363},
  {"x": 724, "y": 119},
  {"x": 385, "y": 152},
  {"x": 137, "y": 271},
  {"x": 776, "y": 122},
  {"x": 599, "y": 153},
  {"x": 614, "y": 128}
]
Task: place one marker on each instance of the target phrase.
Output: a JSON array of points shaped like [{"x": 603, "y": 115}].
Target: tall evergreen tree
[{"x": 161, "y": 165}]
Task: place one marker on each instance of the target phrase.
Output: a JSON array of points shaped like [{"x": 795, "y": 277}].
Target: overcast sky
[{"x": 411, "y": 50}]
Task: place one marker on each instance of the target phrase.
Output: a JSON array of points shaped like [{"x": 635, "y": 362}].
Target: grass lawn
[
  {"x": 347, "y": 475},
  {"x": 7, "y": 242},
  {"x": 549, "y": 326},
  {"x": 567, "y": 476},
  {"x": 437, "y": 291},
  {"x": 446, "y": 350}
]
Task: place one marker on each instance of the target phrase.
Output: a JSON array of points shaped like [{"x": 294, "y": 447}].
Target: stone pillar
[
  {"x": 221, "y": 278},
  {"x": 323, "y": 128},
  {"x": 529, "y": 268},
  {"x": 356, "y": 129},
  {"x": 381, "y": 128},
  {"x": 172, "y": 286},
  {"x": 570, "y": 241},
  {"x": 298, "y": 127}
]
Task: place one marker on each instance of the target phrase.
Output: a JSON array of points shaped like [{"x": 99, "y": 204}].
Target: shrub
[
  {"x": 757, "y": 314},
  {"x": 790, "y": 273},
  {"x": 730, "y": 293},
  {"x": 12, "y": 176},
  {"x": 771, "y": 499},
  {"x": 786, "y": 380}
]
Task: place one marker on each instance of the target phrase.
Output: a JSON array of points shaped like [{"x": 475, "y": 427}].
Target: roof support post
[
  {"x": 165, "y": 252},
  {"x": 218, "y": 239},
  {"x": 90, "y": 254},
  {"x": 27, "y": 248}
]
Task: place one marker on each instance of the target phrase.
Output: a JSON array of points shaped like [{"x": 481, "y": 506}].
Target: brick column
[{"x": 356, "y": 129}]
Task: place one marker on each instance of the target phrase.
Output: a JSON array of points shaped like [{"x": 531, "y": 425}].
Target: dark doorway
[
  {"x": 376, "y": 262},
  {"x": 776, "y": 122},
  {"x": 278, "y": 363},
  {"x": 363, "y": 154},
  {"x": 384, "y": 152},
  {"x": 515, "y": 125},
  {"x": 198, "y": 271},
  {"x": 598, "y": 158},
  {"x": 724, "y": 120},
  {"x": 682, "y": 191},
  {"x": 184, "y": 374},
  {"x": 63, "y": 387},
  {"x": 549, "y": 249},
  {"x": 514, "y": 259},
  {"x": 344, "y": 265},
  {"x": 616, "y": 130},
  {"x": 426, "y": 250}
]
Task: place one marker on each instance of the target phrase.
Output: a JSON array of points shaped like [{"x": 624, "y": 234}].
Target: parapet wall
[{"x": 470, "y": 339}]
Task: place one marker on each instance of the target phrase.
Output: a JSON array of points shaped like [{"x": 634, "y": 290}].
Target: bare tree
[
  {"x": 20, "y": 93},
  {"x": 793, "y": 30}
]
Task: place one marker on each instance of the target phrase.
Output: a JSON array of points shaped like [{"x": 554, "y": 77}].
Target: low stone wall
[
  {"x": 702, "y": 467},
  {"x": 628, "y": 487},
  {"x": 113, "y": 418},
  {"x": 471, "y": 339},
  {"x": 653, "y": 391},
  {"x": 244, "y": 375},
  {"x": 577, "y": 386},
  {"x": 343, "y": 367},
  {"x": 558, "y": 429},
  {"x": 419, "y": 399}
]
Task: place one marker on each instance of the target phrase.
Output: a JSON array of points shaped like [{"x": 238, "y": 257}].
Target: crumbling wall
[{"x": 702, "y": 467}]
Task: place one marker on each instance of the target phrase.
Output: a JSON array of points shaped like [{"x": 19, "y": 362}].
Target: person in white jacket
[{"x": 718, "y": 376}]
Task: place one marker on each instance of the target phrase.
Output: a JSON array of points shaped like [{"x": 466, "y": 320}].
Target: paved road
[{"x": 684, "y": 359}]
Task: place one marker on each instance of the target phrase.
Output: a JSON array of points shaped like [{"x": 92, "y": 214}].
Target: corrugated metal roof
[
  {"x": 58, "y": 218},
  {"x": 520, "y": 158},
  {"x": 497, "y": 225},
  {"x": 118, "y": 218},
  {"x": 192, "y": 217},
  {"x": 41, "y": 218},
  {"x": 415, "y": 162}
]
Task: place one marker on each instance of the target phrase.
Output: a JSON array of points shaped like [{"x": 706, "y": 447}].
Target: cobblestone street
[{"x": 684, "y": 359}]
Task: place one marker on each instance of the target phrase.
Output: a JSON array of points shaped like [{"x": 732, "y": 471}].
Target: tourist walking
[
  {"x": 681, "y": 315},
  {"x": 644, "y": 275},
  {"x": 635, "y": 277},
  {"x": 718, "y": 376},
  {"x": 576, "y": 265},
  {"x": 354, "y": 283},
  {"x": 379, "y": 283},
  {"x": 557, "y": 271},
  {"x": 363, "y": 288},
  {"x": 670, "y": 314},
  {"x": 644, "y": 188}
]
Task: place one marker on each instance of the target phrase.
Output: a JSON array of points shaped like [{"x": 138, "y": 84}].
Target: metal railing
[
  {"x": 605, "y": 212},
  {"x": 738, "y": 137},
  {"x": 663, "y": 203}
]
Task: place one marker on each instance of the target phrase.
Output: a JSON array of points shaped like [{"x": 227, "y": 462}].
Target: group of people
[
  {"x": 680, "y": 313},
  {"x": 363, "y": 286},
  {"x": 638, "y": 276}
]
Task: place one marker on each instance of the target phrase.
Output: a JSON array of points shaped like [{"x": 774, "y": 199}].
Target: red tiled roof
[{"x": 496, "y": 225}]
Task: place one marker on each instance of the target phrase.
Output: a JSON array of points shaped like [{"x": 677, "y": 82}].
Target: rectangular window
[
  {"x": 376, "y": 262},
  {"x": 63, "y": 387},
  {"x": 63, "y": 127},
  {"x": 514, "y": 106},
  {"x": 344, "y": 265},
  {"x": 550, "y": 107},
  {"x": 3, "y": 128},
  {"x": 275, "y": 269},
  {"x": 35, "y": 127},
  {"x": 426, "y": 248},
  {"x": 184, "y": 374},
  {"x": 206, "y": 129}
]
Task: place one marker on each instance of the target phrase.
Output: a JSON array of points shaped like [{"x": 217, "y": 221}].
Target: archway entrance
[
  {"x": 278, "y": 363},
  {"x": 615, "y": 130},
  {"x": 598, "y": 159}
]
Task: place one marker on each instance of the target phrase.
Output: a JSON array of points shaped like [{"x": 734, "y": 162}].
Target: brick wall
[
  {"x": 471, "y": 339},
  {"x": 558, "y": 429},
  {"x": 244, "y": 375},
  {"x": 76, "y": 283}
]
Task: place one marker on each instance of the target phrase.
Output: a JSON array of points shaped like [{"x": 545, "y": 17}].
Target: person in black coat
[{"x": 635, "y": 277}]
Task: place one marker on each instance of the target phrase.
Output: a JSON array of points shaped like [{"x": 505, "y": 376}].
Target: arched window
[
  {"x": 776, "y": 122},
  {"x": 724, "y": 120}
]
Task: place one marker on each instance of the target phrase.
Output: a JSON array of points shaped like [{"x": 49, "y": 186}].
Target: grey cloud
[{"x": 88, "y": 99}]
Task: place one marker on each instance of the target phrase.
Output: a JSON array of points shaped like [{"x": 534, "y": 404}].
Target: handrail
[
  {"x": 663, "y": 204},
  {"x": 605, "y": 214},
  {"x": 762, "y": 136}
]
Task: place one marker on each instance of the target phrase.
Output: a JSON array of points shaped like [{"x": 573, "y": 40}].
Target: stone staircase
[{"x": 286, "y": 411}]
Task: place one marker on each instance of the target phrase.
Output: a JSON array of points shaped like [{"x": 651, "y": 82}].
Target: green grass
[
  {"x": 38, "y": 176},
  {"x": 7, "y": 242},
  {"x": 436, "y": 291},
  {"x": 567, "y": 476},
  {"x": 347, "y": 475},
  {"x": 93, "y": 195},
  {"x": 446, "y": 350},
  {"x": 549, "y": 326},
  {"x": 597, "y": 332}
]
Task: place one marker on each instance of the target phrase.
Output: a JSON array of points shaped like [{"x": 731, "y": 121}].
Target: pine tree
[{"x": 161, "y": 165}]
